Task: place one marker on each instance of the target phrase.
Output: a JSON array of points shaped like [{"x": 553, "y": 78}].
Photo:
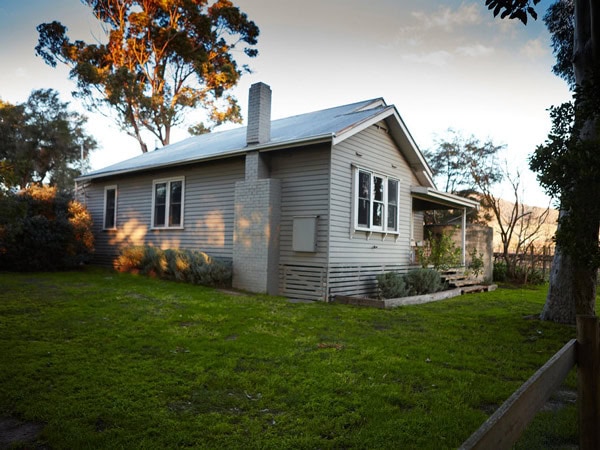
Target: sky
[{"x": 443, "y": 64}]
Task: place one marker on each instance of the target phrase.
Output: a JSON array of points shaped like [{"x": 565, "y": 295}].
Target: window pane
[
  {"x": 175, "y": 204},
  {"x": 392, "y": 192},
  {"x": 392, "y": 210},
  {"x": 109, "y": 214},
  {"x": 176, "y": 192},
  {"x": 159, "y": 216},
  {"x": 378, "y": 189},
  {"x": 377, "y": 214},
  {"x": 364, "y": 185},
  {"x": 392, "y": 220},
  {"x": 160, "y": 203},
  {"x": 161, "y": 193},
  {"x": 363, "y": 212},
  {"x": 174, "y": 215},
  {"x": 364, "y": 199}
]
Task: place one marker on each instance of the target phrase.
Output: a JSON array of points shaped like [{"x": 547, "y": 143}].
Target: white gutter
[{"x": 444, "y": 198}]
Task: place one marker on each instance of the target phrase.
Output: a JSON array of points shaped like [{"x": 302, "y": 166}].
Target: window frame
[
  {"x": 168, "y": 182},
  {"x": 112, "y": 187},
  {"x": 357, "y": 197}
]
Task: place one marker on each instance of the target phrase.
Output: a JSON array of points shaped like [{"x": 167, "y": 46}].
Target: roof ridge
[{"x": 348, "y": 105}]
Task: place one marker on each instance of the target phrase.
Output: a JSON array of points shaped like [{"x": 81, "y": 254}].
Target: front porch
[{"x": 426, "y": 199}]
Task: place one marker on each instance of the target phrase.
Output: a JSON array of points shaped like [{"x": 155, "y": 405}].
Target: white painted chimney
[{"x": 259, "y": 114}]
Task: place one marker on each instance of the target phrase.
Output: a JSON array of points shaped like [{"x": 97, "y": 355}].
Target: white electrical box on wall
[{"x": 305, "y": 234}]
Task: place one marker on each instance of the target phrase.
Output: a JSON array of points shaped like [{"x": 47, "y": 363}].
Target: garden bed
[{"x": 411, "y": 300}]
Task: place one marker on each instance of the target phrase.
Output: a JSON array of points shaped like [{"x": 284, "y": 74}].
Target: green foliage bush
[
  {"x": 43, "y": 229},
  {"x": 423, "y": 281},
  {"x": 391, "y": 285},
  {"x": 500, "y": 271},
  {"x": 521, "y": 275},
  {"x": 440, "y": 252},
  {"x": 526, "y": 275},
  {"x": 415, "y": 282},
  {"x": 175, "y": 264},
  {"x": 476, "y": 263}
]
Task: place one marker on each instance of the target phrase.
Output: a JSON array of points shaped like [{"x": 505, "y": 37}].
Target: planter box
[
  {"x": 413, "y": 300},
  {"x": 393, "y": 302}
]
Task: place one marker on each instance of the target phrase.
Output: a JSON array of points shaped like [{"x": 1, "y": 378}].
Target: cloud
[
  {"x": 21, "y": 72},
  {"x": 437, "y": 58},
  {"x": 534, "y": 48},
  {"x": 475, "y": 50},
  {"x": 447, "y": 18}
]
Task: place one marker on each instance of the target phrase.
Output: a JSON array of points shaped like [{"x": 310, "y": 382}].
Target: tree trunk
[
  {"x": 573, "y": 283},
  {"x": 560, "y": 304}
]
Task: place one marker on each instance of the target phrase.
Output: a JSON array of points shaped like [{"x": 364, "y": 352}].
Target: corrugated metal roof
[{"x": 323, "y": 124}]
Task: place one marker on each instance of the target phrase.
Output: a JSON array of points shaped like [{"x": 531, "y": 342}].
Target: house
[{"x": 307, "y": 207}]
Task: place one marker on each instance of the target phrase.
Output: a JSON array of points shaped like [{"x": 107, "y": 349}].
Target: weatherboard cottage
[{"x": 308, "y": 207}]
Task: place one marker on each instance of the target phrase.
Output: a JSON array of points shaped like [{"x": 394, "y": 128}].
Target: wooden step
[
  {"x": 479, "y": 288},
  {"x": 465, "y": 282},
  {"x": 450, "y": 278}
]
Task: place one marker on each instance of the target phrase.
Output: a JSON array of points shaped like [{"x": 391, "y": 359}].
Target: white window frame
[
  {"x": 168, "y": 182},
  {"x": 356, "y": 194},
  {"x": 106, "y": 189}
]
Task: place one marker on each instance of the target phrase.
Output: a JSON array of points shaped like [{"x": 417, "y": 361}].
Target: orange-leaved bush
[{"x": 43, "y": 229}]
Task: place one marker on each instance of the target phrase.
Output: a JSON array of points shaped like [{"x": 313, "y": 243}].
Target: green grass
[{"x": 109, "y": 360}]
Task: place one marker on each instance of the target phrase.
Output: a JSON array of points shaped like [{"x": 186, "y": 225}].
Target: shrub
[
  {"x": 526, "y": 275},
  {"x": 154, "y": 263},
  {"x": 391, "y": 285},
  {"x": 440, "y": 252},
  {"x": 476, "y": 263},
  {"x": 43, "y": 229},
  {"x": 500, "y": 271},
  {"x": 174, "y": 264},
  {"x": 423, "y": 281}
]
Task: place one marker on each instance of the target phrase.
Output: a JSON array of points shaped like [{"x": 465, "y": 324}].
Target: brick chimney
[{"x": 259, "y": 114}]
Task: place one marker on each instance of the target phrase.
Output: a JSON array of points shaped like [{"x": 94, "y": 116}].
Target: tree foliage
[
  {"x": 513, "y": 9},
  {"x": 41, "y": 141},
  {"x": 160, "y": 58},
  {"x": 560, "y": 21},
  {"x": 460, "y": 165},
  {"x": 568, "y": 168}
]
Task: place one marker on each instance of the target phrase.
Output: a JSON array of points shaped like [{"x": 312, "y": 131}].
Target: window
[
  {"x": 167, "y": 203},
  {"x": 392, "y": 205},
  {"x": 110, "y": 207},
  {"x": 376, "y": 203}
]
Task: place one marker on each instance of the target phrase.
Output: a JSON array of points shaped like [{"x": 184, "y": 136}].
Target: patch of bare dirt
[{"x": 14, "y": 431}]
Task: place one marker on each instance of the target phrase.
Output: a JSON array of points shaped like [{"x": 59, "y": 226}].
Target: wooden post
[
  {"x": 464, "y": 237},
  {"x": 544, "y": 252},
  {"x": 532, "y": 251},
  {"x": 588, "y": 395}
]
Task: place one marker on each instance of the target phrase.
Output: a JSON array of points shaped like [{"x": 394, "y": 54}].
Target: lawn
[{"x": 107, "y": 360}]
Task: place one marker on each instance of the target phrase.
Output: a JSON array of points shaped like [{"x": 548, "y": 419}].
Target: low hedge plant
[
  {"x": 415, "y": 282},
  {"x": 175, "y": 264}
]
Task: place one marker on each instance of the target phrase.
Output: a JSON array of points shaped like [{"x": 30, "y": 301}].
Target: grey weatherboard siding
[{"x": 208, "y": 214}]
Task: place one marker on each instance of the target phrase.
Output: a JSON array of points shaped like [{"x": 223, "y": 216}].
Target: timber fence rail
[{"x": 505, "y": 426}]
